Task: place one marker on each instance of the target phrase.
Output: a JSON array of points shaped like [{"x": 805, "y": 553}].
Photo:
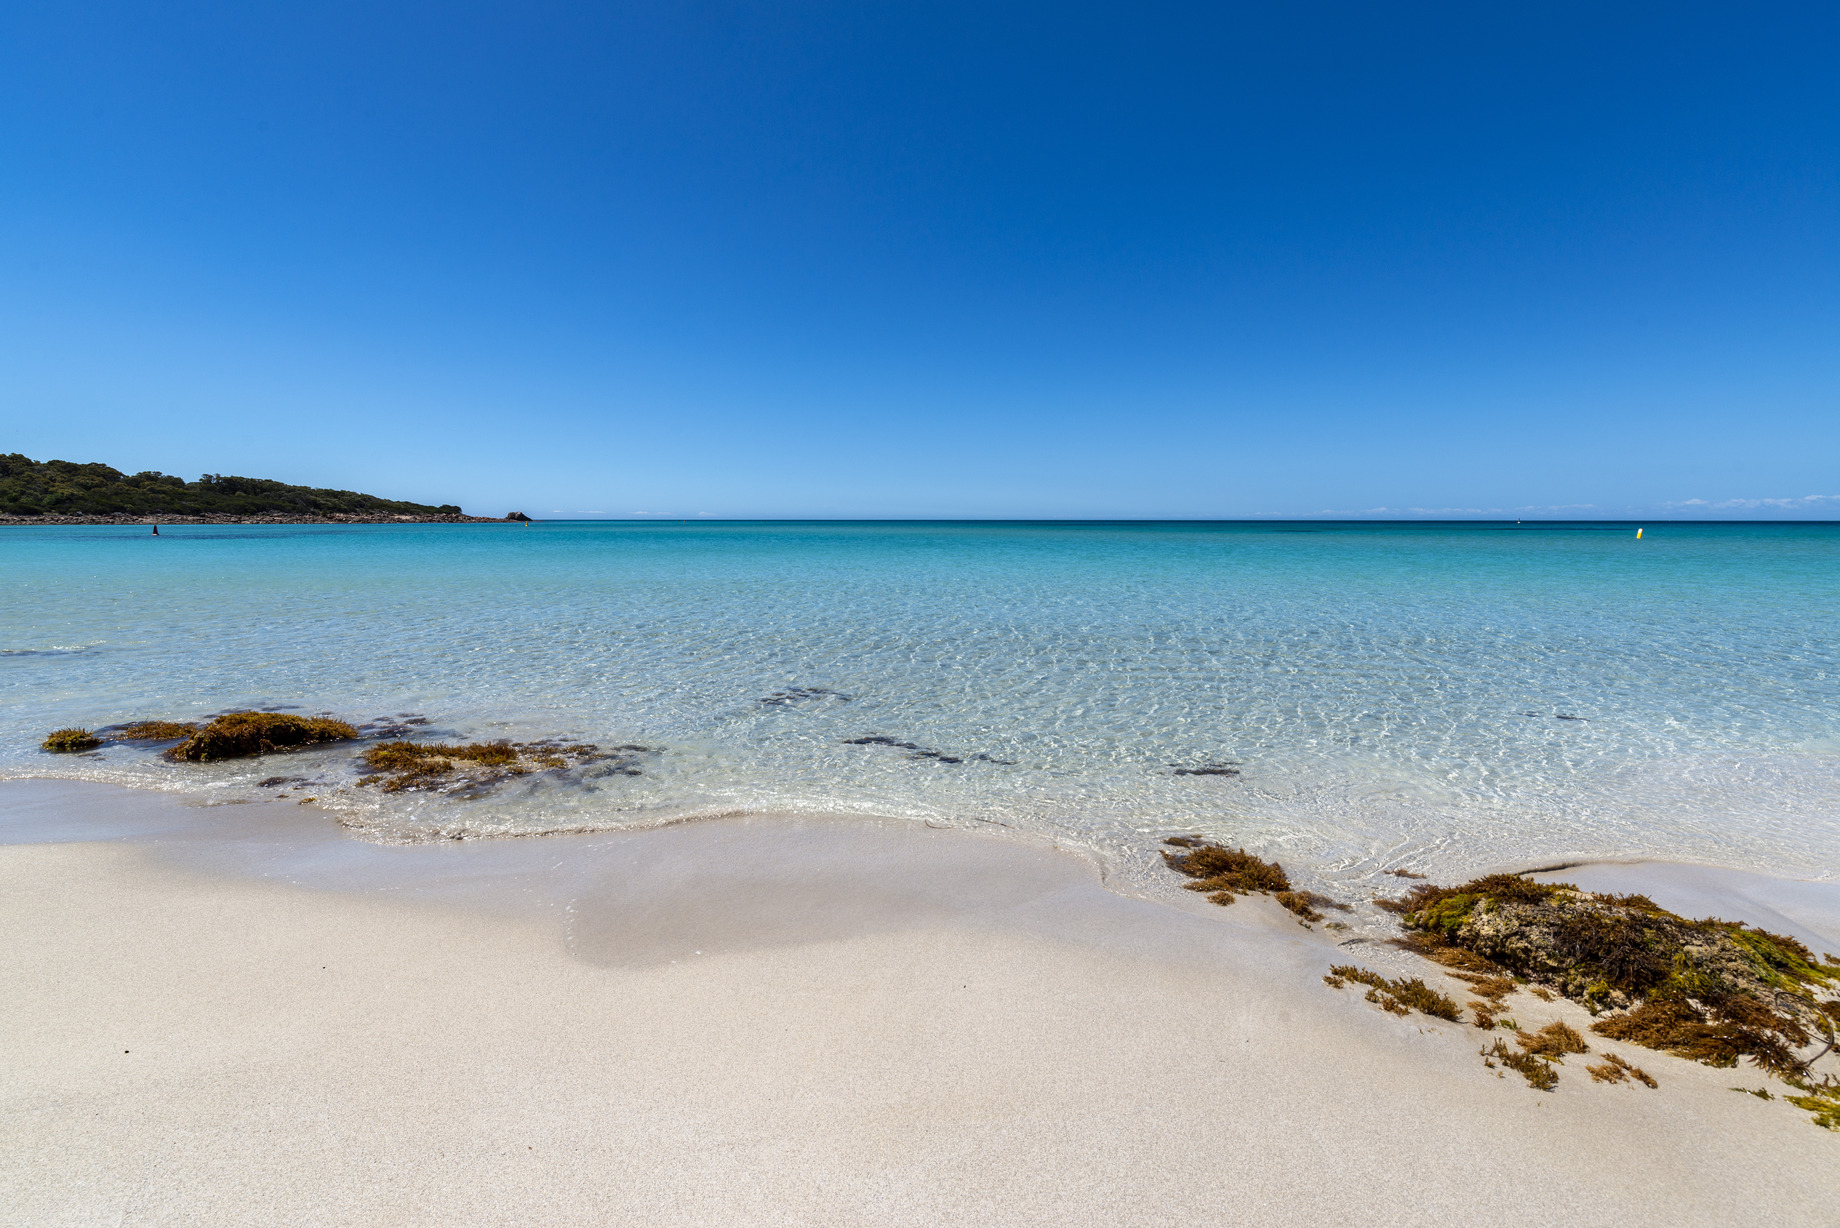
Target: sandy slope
[{"x": 885, "y": 1025}]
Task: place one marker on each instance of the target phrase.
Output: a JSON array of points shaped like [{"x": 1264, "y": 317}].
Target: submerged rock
[
  {"x": 1206, "y": 769},
  {"x": 801, "y": 694},
  {"x": 396, "y": 766},
  {"x": 917, "y": 751}
]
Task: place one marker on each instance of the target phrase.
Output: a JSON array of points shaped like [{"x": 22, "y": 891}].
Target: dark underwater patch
[
  {"x": 801, "y": 695},
  {"x": 917, "y": 751},
  {"x": 1207, "y": 769}
]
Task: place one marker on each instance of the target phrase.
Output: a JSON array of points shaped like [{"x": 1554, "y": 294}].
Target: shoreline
[
  {"x": 1806, "y": 909},
  {"x": 761, "y": 1021},
  {"x": 266, "y": 518}
]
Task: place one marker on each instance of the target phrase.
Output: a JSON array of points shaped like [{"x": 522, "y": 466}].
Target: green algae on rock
[
  {"x": 240, "y": 735},
  {"x": 69, "y": 741},
  {"x": 1823, "y": 1100}
]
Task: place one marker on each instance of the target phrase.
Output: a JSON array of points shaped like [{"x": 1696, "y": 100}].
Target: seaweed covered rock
[
  {"x": 1713, "y": 991},
  {"x": 69, "y": 741},
  {"x": 239, "y": 735},
  {"x": 155, "y": 731}
]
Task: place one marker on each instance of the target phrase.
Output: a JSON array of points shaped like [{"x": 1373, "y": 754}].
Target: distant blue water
[{"x": 1392, "y": 695}]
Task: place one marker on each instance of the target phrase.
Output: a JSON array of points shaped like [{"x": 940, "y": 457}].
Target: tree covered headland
[{"x": 66, "y": 488}]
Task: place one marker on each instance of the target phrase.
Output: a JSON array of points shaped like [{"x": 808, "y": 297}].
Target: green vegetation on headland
[{"x": 30, "y": 488}]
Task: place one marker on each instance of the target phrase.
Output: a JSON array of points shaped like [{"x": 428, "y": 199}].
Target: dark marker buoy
[{"x": 156, "y": 530}]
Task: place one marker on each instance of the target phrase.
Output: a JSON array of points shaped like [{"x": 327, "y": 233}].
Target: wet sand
[{"x": 238, "y": 1015}]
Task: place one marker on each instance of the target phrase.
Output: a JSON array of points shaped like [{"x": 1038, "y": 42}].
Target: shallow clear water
[{"x": 1391, "y": 695}]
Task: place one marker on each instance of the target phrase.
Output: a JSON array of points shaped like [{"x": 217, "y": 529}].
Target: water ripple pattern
[{"x": 1351, "y": 698}]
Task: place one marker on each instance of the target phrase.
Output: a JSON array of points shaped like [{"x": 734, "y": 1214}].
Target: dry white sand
[{"x": 884, "y": 1025}]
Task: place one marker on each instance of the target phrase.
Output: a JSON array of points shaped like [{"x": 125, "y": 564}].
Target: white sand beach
[{"x": 234, "y": 1015}]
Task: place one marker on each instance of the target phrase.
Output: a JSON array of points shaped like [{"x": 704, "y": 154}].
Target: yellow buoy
[{"x": 1638, "y": 535}]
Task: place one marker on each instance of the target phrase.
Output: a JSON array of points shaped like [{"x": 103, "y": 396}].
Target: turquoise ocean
[{"x": 1349, "y": 697}]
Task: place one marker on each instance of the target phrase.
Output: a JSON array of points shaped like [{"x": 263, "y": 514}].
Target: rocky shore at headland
[{"x": 260, "y": 518}]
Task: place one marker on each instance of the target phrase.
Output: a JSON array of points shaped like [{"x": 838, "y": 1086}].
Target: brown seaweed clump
[
  {"x": 1485, "y": 978},
  {"x": 1306, "y": 903},
  {"x": 155, "y": 731},
  {"x": 1222, "y": 872},
  {"x": 1538, "y": 1073},
  {"x": 424, "y": 765},
  {"x": 1401, "y": 997},
  {"x": 69, "y": 741},
  {"x": 239, "y": 735},
  {"x": 1494, "y": 988},
  {"x": 1712, "y": 991},
  {"x": 1553, "y": 1041},
  {"x": 1225, "y": 874},
  {"x": 1614, "y": 1069}
]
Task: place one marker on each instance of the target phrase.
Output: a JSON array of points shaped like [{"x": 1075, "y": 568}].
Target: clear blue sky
[{"x": 933, "y": 259}]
